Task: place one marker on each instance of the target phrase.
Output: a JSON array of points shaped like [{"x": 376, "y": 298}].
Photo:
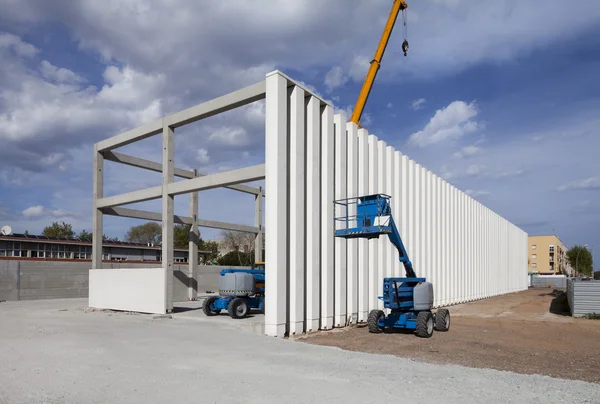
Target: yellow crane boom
[{"x": 398, "y": 6}]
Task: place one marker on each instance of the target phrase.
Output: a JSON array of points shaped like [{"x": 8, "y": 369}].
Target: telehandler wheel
[
  {"x": 206, "y": 306},
  {"x": 424, "y": 324},
  {"x": 237, "y": 308},
  {"x": 442, "y": 320},
  {"x": 373, "y": 321}
]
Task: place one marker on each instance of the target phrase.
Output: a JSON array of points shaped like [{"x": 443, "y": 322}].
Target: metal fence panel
[
  {"x": 549, "y": 281},
  {"x": 583, "y": 297}
]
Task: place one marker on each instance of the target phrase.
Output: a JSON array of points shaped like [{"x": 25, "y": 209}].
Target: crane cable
[{"x": 404, "y": 31}]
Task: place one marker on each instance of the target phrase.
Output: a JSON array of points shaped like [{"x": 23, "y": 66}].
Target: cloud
[
  {"x": 390, "y": 105},
  {"x": 467, "y": 151},
  {"x": 59, "y": 75},
  {"x": 15, "y": 44},
  {"x": 40, "y": 211},
  {"x": 475, "y": 170},
  {"x": 587, "y": 183},
  {"x": 449, "y": 123},
  {"x": 417, "y": 104},
  {"x": 334, "y": 78},
  {"x": 510, "y": 173},
  {"x": 476, "y": 194},
  {"x": 202, "y": 156}
]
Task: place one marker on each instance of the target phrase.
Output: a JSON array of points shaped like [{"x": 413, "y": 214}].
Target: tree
[
  {"x": 145, "y": 233},
  {"x": 62, "y": 230},
  {"x": 213, "y": 256},
  {"x": 597, "y": 275},
  {"x": 236, "y": 258},
  {"x": 580, "y": 259},
  {"x": 242, "y": 244},
  {"x": 85, "y": 235},
  {"x": 181, "y": 236}
]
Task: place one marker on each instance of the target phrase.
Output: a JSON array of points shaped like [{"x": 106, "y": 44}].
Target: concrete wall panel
[
  {"x": 140, "y": 290},
  {"x": 363, "y": 244},
  {"x": 352, "y": 296},
  {"x": 340, "y": 192}
]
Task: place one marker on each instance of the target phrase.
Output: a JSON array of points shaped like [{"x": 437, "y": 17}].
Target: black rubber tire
[
  {"x": 442, "y": 320},
  {"x": 206, "y": 306},
  {"x": 373, "y": 319},
  {"x": 237, "y": 308},
  {"x": 424, "y": 324}
]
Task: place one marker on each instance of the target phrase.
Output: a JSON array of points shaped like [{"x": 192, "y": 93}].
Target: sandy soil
[{"x": 526, "y": 332}]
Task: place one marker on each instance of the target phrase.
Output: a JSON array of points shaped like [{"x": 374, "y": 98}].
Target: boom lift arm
[{"x": 399, "y": 5}]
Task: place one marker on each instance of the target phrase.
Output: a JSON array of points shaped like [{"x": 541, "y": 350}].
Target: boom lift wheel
[
  {"x": 424, "y": 324},
  {"x": 442, "y": 320},
  {"x": 207, "y": 309},
  {"x": 373, "y": 321},
  {"x": 237, "y": 308}
]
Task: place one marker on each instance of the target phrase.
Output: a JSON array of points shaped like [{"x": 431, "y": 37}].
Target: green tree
[
  {"x": 145, "y": 233},
  {"x": 62, "y": 230},
  {"x": 213, "y": 256},
  {"x": 240, "y": 243},
  {"x": 181, "y": 236},
  {"x": 580, "y": 259},
  {"x": 597, "y": 275},
  {"x": 85, "y": 235},
  {"x": 237, "y": 258}
]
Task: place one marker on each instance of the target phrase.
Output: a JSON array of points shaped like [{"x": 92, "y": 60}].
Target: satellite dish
[{"x": 6, "y": 231}]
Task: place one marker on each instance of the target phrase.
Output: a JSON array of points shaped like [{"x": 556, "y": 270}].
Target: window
[
  {"x": 533, "y": 256},
  {"x": 534, "y": 247},
  {"x": 534, "y": 265}
]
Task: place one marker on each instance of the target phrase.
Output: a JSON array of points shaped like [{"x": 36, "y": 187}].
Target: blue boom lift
[
  {"x": 240, "y": 290},
  {"x": 409, "y": 299}
]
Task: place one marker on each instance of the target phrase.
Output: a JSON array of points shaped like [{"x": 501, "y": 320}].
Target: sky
[{"x": 500, "y": 98}]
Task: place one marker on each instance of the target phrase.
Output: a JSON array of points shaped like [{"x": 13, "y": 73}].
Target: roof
[{"x": 83, "y": 241}]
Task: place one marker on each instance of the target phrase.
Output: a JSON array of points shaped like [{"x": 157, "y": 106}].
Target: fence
[
  {"x": 315, "y": 281},
  {"x": 583, "y": 297},
  {"x": 35, "y": 280},
  {"x": 549, "y": 281}
]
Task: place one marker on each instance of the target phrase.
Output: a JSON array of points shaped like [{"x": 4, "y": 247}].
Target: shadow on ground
[{"x": 560, "y": 304}]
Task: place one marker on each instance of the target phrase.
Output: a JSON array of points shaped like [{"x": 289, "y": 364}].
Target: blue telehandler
[{"x": 409, "y": 299}]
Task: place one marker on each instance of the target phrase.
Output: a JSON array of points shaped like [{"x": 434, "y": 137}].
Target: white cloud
[
  {"x": 417, "y": 104},
  {"x": 40, "y": 211},
  {"x": 510, "y": 173},
  {"x": 334, "y": 78},
  {"x": 451, "y": 122},
  {"x": 59, "y": 74},
  {"x": 476, "y": 194},
  {"x": 587, "y": 183},
  {"x": 14, "y": 43},
  {"x": 202, "y": 156},
  {"x": 230, "y": 136},
  {"x": 467, "y": 151},
  {"x": 475, "y": 170},
  {"x": 390, "y": 105}
]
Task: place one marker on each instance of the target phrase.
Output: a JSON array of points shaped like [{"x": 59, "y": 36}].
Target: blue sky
[{"x": 500, "y": 98}]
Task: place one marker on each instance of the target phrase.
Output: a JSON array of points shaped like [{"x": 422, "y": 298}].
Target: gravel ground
[
  {"x": 57, "y": 352},
  {"x": 526, "y": 332}
]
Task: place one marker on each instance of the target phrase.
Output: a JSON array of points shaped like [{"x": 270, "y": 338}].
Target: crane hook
[{"x": 405, "y": 47}]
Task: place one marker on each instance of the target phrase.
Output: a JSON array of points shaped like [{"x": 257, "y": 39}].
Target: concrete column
[
  {"x": 397, "y": 204},
  {"x": 352, "y": 248},
  {"x": 327, "y": 225},
  {"x": 427, "y": 240},
  {"x": 391, "y": 259},
  {"x": 258, "y": 221},
  {"x": 411, "y": 243},
  {"x": 313, "y": 213},
  {"x": 97, "y": 230},
  {"x": 405, "y": 213},
  {"x": 382, "y": 242},
  {"x": 373, "y": 249},
  {"x": 297, "y": 209},
  {"x": 340, "y": 191},
  {"x": 276, "y": 205},
  {"x": 194, "y": 237},
  {"x": 363, "y": 244},
  {"x": 416, "y": 220},
  {"x": 168, "y": 206}
]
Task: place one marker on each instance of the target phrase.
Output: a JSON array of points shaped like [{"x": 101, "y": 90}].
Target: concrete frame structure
[
  {"x": 194, "y": 182},
  {"x": 313, "y": 156}
]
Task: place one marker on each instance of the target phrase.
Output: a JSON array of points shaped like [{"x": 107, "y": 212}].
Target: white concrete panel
[
  {"x": 297, "y": 209},
  {"x": 313, "y": 214},
  {"x": 363, "y": 244},
  {"x": 397, "y": 186},
  {"x": 429, "y": 248},
  {"x": 327, "y": 225},
  {"x": 391, "y": 258},
  {"x": 416, "y": 221},
  {"x": 409, "y": 243},
  {"x": 138, "y": 290},
  {"x": 404, "y": 217},
  {"x": 424, "y": 270},
  {"x": 340, "y": 186},
  {"x": 276, "y": 205},
  {"x": 382, "y": 242},
  {"x": 435, "y": 234},
  {"x": 352, "y": 248},
  {"x": 373, "y": 243}
]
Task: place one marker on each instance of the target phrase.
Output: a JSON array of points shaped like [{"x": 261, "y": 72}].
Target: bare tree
[{"x": 240, "y": 242}]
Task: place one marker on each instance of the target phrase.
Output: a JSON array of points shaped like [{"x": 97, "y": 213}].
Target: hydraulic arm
[{"x": 397, "y": 7}]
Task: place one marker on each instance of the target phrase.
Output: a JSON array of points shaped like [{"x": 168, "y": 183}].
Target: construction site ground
[{"x": 529, "y": 332}]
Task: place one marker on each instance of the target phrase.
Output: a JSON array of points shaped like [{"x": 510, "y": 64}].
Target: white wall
[
  {"x": 140, "y": 290},
  {"x": 316, "y": 281}
]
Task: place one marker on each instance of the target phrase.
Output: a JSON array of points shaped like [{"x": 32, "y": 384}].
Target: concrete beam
[
  {"x": 134, "y": 135},
  {"x": 219, "y": 105},
  {"x": 147, "y": 194},
  {"x": 157, "y": 167},
  {"x": 211, "y": 224},
  {"x": 217, "y": 180}
]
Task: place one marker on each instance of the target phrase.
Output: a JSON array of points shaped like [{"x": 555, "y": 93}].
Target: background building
[
  {"x": 32, "y": 247},
  {"x": 547, "y": 255}
]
